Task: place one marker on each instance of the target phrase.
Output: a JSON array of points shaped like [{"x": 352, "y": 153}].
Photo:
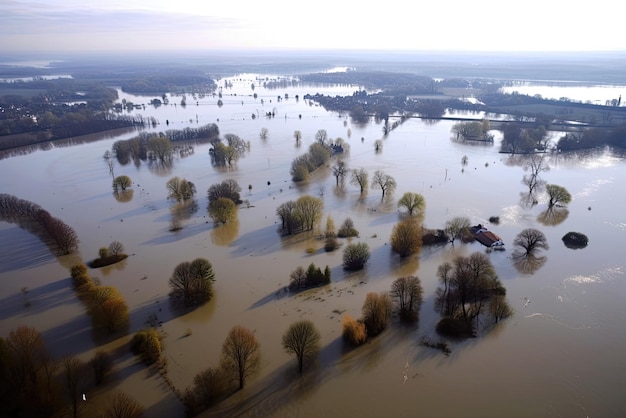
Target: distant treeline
[
  {"x": 391, "y": 83},
  {"x": 592, "y": 138},
  {"x": 35, "y": 219},
  {"x": 166, "y": 83}
]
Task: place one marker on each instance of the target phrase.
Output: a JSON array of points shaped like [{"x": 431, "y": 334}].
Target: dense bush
[
  {"x": 209, "y": 386},
  {"x": 406, "y": 237},
  {"x": 376, "y": 312},
  {"x": 147, "y": 344},
  {"x": 353, "y": 331},
  {"x": 355, "y": 256},
  {"x": 347, "y": 229},
  {"x": 455, "y": 327},
  {"x": 192, "y": 282}
]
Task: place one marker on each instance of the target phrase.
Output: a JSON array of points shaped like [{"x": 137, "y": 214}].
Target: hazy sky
[{"x": 460, "y": 25}]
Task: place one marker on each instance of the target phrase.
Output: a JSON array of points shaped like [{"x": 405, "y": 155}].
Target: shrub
[
  {"x": 355, "y": 256},
  {"x": 331, "y": 244},
  {"x": 376, "y": 312},
  {"x": 124, "y": 406},
  {"x": 455, "y": 327},
  {"x": 347, "y": 229},
  {"x": 406, "y": 237},
  {"x": 353, "y": 331},
  {"x": 147, "y": 344},
  {"x": 575, "y": 240},
  {"x": 209, "y": 386}
]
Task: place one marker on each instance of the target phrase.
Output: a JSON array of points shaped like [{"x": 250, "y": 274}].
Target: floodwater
[
  {"x": 597, "y": 94},
  {"x": 560, "y": 355}
]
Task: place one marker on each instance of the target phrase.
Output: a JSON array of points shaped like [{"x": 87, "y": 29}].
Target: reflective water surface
[{"x": 560, "y": 355}]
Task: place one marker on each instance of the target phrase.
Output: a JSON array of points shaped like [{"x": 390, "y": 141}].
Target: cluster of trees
[
  {"x": 303, "y": 165},
  {"x": 223, "y": 200},
  {"x": 33, "y": 383},
  {"x": 192, "y": 282},
  {"x": 467, "y": 287},
  {"x": 109, "y": 255},
  {"x": 404, "y": 299},
  {"x": 301, "y": 215},
  {"x": 227, "y": 151},
  {"x": 517, "y": 139},
  {"x": 34, "y": 218},
  {"x": 476, "y": 131},
  {"x": 593, "y": 137},
  {"x": 158, "y": 146},
  {"x": 301, "y": 279},
  {"x": 180, "y": 190},
  {"x": 239, "y": 360},
  {"x": 360, "y": 178},
  {"x": 105, "y": 304},
  {"x": 159, "y": 83}
]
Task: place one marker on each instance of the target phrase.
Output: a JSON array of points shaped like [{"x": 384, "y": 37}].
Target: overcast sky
[{"x": 453, "y": 25}]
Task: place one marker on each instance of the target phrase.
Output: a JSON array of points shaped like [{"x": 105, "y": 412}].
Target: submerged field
[{"x": 559, "y": 355}]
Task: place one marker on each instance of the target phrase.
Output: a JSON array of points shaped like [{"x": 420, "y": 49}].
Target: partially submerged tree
[
  {"x": 193, "y": 282},
  {"x": 413, "y": 202},
  {"x": 376, "y": 312},
  {"x": 347, "y": 229},
  {"x": 121, "y": 182},
  {"x": 353, "y": 331},
  {"x": 340, "y": 171},
  {"x": 384, "y": 182},
  {"x": 457, "y": 227},
  {"x": 359, "y": 178},
  {"x": 406, "y": 293},
  {"x": 302, "y": 339},
  {"x": 529, "y": 242},
  {"x": 241, "y": 354},
  {"x": 355, "y": 256},
  {"x": 406, "y": 237},
  {"x": 222, "y": 210},
  {"x": 179, "y": 189},
  {"x": 466, "y": 286},
  {"x": 229, "y": 189},
  {"x": 557, "y": 195}
]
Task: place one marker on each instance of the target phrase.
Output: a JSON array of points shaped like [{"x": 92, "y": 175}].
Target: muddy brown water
[{"x": 560, "y": 355}]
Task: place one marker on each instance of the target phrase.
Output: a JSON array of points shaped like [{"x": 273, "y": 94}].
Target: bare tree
[
  {"x": 116, "y": 248},
  {"x": 302, "y": 339},
  {"x": 74, "y": 374},
  {"x": 529, "y": 242},
  {"x": 101, "y": 363},
  {"x": 406, "y": 292},
  {"x": 384, "y": 182},
  {"x": 241, "y": 354},
  {"x": 499, "y": 308},
  {"x": 456, "y": 226},
  {"x": 321, "y": 137},
  {"x": 359, "y": 178},
  {"x": 340, "y": 170},
  {"x": 264, "y": 134},
  {"x": 123, "y": 406},
  {"x": 535, "y": 165},
  {"x": 298, "y": 136}
]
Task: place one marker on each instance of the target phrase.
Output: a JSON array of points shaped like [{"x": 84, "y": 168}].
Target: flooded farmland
[{"x": 559, "y": 355}]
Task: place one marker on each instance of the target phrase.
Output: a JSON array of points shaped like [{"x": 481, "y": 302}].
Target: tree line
[{"x": 35, "y": 219}]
